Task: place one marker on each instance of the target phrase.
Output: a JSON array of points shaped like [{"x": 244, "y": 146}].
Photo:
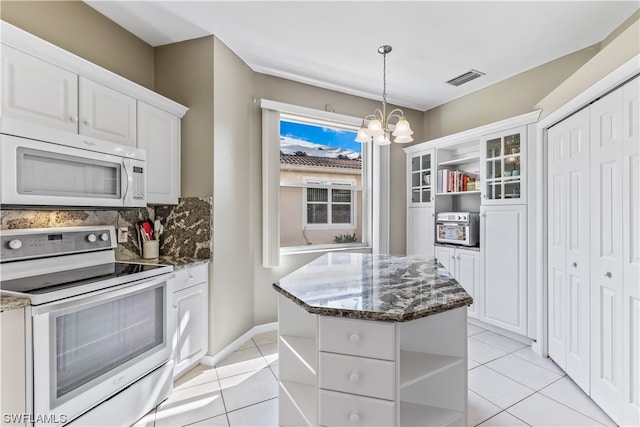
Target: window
[
  {"x": 316, "y": 182},
  {"x": 329, "y": 207},
  {"x": 321, "y": 171}
]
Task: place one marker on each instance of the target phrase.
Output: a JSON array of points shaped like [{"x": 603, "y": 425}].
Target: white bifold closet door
[
  {"x": 615, "y": 257},
  {"x": 568, "y": 216}
]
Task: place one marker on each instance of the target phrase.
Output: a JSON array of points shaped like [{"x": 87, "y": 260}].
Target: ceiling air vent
[{"x": 465, "y": 78}]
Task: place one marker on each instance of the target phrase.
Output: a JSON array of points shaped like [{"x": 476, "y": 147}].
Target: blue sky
[{"x": 338, "y": 138}]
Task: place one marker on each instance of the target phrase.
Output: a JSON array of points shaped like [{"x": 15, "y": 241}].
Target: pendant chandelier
[{"x": 377, "y": 128}]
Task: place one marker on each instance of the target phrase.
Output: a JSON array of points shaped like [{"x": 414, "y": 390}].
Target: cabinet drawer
[
  {"x": 357, "y": 337},
  {"x": 189, "y": 276},
  {"x": 341, "y": 409},
  {"x": 357, "y": 375}
]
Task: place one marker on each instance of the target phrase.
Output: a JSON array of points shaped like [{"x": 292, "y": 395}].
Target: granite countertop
[
  {"x": 176, "y": 262},
  {"x": 451, "y": 245},
  {"x": 374, "y": 287},
  {"x": 12, "y": 303}
]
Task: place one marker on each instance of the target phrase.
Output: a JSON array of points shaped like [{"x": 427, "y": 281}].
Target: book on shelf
[{"x": 456, "y": 181}]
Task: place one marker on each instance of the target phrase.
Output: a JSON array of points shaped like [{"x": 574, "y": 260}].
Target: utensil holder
[{"x": 151, "y": 249}]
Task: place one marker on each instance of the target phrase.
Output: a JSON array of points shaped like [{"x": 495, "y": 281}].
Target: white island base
[{"x": 337, "y": 371}]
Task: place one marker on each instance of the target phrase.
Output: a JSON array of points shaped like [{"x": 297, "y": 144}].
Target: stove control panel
[{"x": 45, "y": 242}]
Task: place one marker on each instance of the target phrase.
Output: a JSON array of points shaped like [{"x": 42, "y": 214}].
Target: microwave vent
[{"x": 465, "y": 78}]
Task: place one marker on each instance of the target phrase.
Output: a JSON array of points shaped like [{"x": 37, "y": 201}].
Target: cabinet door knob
[
  {"x": 354, "y": 377},
  {"x": 354, "y": 338},
  {"x": 608, "y": 275},
  {"x": 354, "y": 417},
  {"x": 574, "y": 264}
]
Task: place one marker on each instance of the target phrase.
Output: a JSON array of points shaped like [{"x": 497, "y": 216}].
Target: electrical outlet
[{"x": 123, "y": 234}]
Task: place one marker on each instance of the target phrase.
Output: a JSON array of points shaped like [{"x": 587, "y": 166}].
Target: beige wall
[
  {"x": 236, "y": 169},
  {"x": 511, "y": 97},
  {"x": 74, "y": 26},
  {"x": 617, "y": 49},
  {"x": 184, "y": 73}
]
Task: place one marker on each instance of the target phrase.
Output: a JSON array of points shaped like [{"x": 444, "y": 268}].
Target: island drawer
[
  {"x": 341, "y": 409},
  {"x": 357, "y": 375},
  {"x": 366, "y": 338}
]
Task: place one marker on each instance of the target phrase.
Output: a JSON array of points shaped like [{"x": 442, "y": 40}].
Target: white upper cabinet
[
  {"x": 503, "y": 167},
  {"x": 159, "y": 135},
  {"x": 38, "y": 92},
  {"x": 107, "y": 114},
  {"x": 420, "y": 231}
]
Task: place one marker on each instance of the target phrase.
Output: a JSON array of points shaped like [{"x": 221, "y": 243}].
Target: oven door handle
[{"x": 102, "y": 294}]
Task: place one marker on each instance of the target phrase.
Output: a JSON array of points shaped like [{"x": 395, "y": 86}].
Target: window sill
[{"x": 294, "y": 250}]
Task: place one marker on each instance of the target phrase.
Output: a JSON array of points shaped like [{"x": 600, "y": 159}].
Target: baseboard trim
[
  {"x": 225, "y": 352},
  {"x": 517, "y": 337}
]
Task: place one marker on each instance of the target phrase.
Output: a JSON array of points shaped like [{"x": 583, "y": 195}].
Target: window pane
[
  {"x": 341, "y": 196},
  {"x": 317, "y": 195},
  {"x": 316, "y": 214},
  {"x": 314, "y": 154},
  {"x": 341, "y": 214}
]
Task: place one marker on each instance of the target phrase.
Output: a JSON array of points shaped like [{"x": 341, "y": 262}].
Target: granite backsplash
[{"x": 187, "y": 225}]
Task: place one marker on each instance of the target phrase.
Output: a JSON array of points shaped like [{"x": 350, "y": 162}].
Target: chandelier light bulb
[
  {"x": 375, "y": 127},
  {"x": 363, "y": 136},
  {"x": 402, "y": 128}
]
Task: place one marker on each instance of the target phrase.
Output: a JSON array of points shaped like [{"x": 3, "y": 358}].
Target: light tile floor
[{"x": 509, "y": 385}]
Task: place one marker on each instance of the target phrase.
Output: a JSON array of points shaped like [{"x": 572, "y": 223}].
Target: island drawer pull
[
  {"x": 354, "y": 338},
  {"x": 354, "y": 418},
  {"x": 354, "y": 378}
]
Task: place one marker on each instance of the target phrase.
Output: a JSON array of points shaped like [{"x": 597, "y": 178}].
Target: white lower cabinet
[
  {"x": 190, "y": 302},
  {"x": 341, "y": 372},
  {"x": 503, "y": 266},
  {"x": 464, "y": 265}
]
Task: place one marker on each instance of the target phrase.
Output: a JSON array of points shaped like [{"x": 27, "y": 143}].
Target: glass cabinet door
[
  {"x": 502, "y": 164},
  {"x": 421, "y": 188}
]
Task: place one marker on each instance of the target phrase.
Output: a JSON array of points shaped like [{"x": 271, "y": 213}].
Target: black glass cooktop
[{"x": 52, "y": 282}]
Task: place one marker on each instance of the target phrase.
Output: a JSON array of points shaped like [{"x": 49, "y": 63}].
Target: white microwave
[{"x": 37, "y": 173}]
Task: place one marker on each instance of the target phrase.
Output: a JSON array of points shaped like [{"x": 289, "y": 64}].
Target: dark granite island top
[{"x": 374, "y": 287}]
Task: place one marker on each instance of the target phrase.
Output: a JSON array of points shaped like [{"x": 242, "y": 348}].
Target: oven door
[
  {"x": 453, "y": 233},
  {"x": 88, "y": 348}
]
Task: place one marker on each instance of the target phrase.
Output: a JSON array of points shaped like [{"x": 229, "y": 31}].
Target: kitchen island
[{"x": 372, "y": 340}]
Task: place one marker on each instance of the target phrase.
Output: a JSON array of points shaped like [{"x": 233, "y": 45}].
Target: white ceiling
[{"x": 333, "y": 44}]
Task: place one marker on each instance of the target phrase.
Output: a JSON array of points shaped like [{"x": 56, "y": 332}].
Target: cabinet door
[
  {"x": 468, "y": 275},
  {"x": 420, "y": 231},
  {"x": 445, "y": 256},
  {"x": 420, "y": 180},
  {"x": 159, "y": 135},
  {"x": 569, "y": 250},
  {"x": 631, "y": 252},
  {"x": 606, "y": 254},
  {"x": 14, "y": 367},
  {"x": 191, "y": 309},
  {"x": 107, "y": 114},
  {"x": 37, "y": 92},
  {"x": 503, "y": 167},
  {"x": 503, "y": 266}
]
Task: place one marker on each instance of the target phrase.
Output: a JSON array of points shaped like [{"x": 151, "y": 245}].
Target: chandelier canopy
[{"x": 377, "y": 128}]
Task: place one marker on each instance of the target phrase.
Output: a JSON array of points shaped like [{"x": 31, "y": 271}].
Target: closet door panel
[
  {"x": 606, "y": 254},
  {"x": 631, "y": 251},
  {"x": 569, "y": 292}
]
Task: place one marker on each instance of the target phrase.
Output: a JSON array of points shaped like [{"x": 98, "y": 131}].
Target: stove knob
[
  {"x": 92, "y": 238},
  {"x": 104, "y": 237},
  {"x": 15, "y": 244}
]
